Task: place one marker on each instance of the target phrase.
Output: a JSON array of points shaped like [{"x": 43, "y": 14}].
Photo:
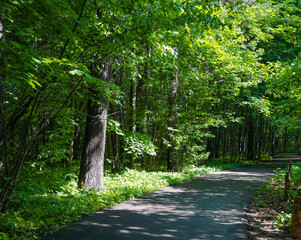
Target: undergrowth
[
  {"x": 48, "y": 200},
  {"x": 284, "y": 219},
  {"x": 271, "y": 195}
]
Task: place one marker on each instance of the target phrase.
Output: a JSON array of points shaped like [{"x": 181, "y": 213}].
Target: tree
[
  {"x": 196, "y": 77},
  {"x": 3, "y": 147},
  {"x": 91, "y": 174},
  {"x": 173, "y": 161},
  {"x": 39, "y": 83}
]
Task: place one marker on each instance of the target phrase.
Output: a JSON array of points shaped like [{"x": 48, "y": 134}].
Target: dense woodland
[{"x": 141, "y": 84}]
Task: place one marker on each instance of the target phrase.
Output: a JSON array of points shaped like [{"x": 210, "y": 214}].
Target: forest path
[{"x": 212, "y": 206}]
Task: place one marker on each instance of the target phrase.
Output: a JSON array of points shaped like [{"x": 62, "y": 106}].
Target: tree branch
[{"x": 75, "y": 26}]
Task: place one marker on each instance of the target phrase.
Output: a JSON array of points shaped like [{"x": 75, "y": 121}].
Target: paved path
[{"x": 210, "y": 207}]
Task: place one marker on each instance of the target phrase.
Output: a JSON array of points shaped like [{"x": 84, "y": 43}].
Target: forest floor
[
  {"x": 267, "y": 204},
  {"x": 49, "y": 199},
  {"x": 262, "y": 218},
  {"x": 212, "y": 206}
]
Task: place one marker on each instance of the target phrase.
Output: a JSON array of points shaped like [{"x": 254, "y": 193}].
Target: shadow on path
[{"x": 210, "y": 207}]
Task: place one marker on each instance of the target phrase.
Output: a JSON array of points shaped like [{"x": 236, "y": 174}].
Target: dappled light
[
  {"x": 209, "y": 207},
  {"x": 106, "y": 101}
]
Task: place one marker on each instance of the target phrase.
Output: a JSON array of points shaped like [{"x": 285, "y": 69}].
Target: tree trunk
[
  {"x": 72, "y": 134},
  {"x": 141, "y": 94},
  {"x": 113, "y": 144},
  {"x": 296, "y": 219},
  {"x": 172, "y": 154},
  {"x": 141, "y": 105},
  {"x": 3, "y": 146},
  {"x": 92, "y": 162},
  {"x": 273, "y": 143},
  {"x": 250, "y": 149},
  {"x": 261, "y": 138},
  {"x": 132, "y": 116},
  {"x": 210, "y": 144},
  {"x": 240, "y": 142},
  {"x": 217, "y": 142},
  {"x": 284, "y": 140},
  {"x": 287, "y": 186}
]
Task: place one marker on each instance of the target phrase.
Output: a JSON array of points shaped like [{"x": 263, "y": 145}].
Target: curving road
[{"x": 210, "y": 207}]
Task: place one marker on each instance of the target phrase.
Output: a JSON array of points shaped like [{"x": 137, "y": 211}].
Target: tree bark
[
  {"x": 284, "y": 140},
  {"x": 287, "y": 186},
  {"x": 217, "y": 142},
  {"x": 250, "y": 149},
  {"x": 113, "y": 144},
  {"x": 92, "y": 162},
  {"x": 72, "y": 134},
  {"x": 3, "y": 147},
  {"x": 132, "y": 116},
  {"x": 172, "y": 153},
  {"x": 273, "y": 142},
  {"x": 296, "y": 219},
  {"x": 141, "y": 94}
]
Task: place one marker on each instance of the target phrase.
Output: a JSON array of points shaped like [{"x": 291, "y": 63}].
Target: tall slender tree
[
  {"x": 3, "y": 147},
  {"x": 173, "y": 161}
]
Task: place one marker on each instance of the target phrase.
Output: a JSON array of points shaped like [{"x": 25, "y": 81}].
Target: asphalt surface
[{"x": 212, "y": 206}]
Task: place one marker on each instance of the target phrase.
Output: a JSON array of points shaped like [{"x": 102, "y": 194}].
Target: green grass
[{"x": 48, "y": 200}]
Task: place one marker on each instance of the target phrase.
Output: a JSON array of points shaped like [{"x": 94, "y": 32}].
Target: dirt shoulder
[
  {"x": 265, "y": 206},
  {"x": 262, "y": 214}
]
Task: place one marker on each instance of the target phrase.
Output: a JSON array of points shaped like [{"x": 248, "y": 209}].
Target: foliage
[
  {"x": 284, "y": 219},
  {"x": 139, "y": 144},
  {"x": 190, "y": 80},
  {"x": 237, "y": 66},
  {"x": 135, "y": 144}
]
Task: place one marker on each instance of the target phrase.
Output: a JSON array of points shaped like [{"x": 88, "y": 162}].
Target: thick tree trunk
[{"x": 92, "y": 162}]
